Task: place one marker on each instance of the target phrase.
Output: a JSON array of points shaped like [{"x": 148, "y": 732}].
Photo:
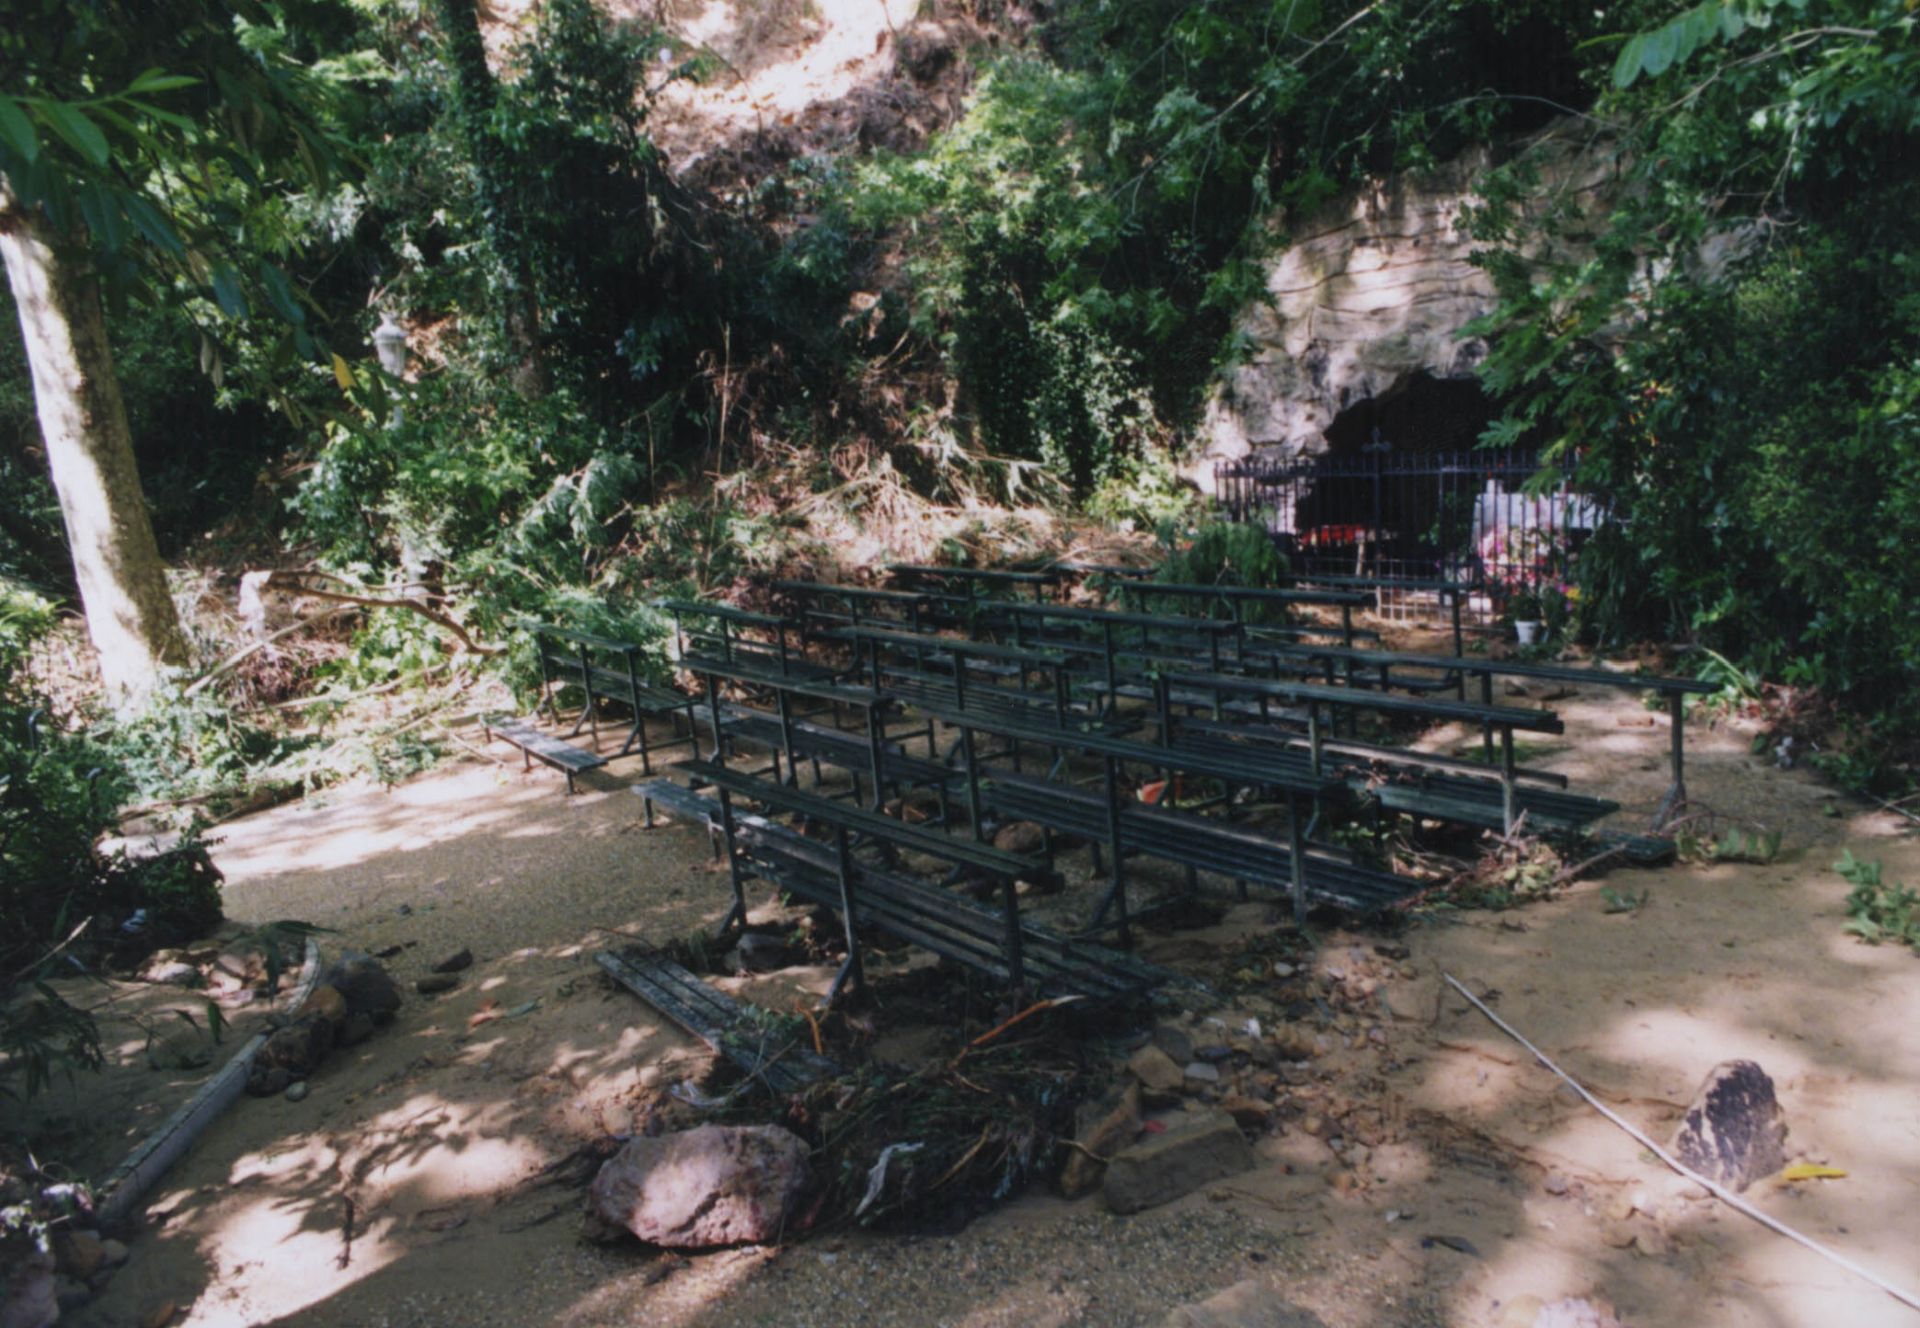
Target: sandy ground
[{"x": 410, "y": 1187}]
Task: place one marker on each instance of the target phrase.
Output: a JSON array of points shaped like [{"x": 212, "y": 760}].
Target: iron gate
[{"x": 1415, "y": 521}]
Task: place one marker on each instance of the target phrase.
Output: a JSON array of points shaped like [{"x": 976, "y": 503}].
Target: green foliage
[
  {"x": 1616, "y": 901},
  {"x": 1220, "y": 553},
  {"x": 1876, "y": 910},
  {"x": 1756, "y": 433},
  {"x": 1735, "y": 844},
  {"x": 178, "y": 177},
  {"x": 42, "y": 1035},
  {"x": 1084, "y": 236}
]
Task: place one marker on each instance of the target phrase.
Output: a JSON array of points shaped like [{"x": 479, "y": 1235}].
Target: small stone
[
  {"x": 1155, "y": 1070},
  {"x": 435, "y": 983},
  {"x": 1617, "y": 1234},
  {"x": 1249, "y": 1304},
  {"x": 114, "y": 1253},
  {"x": 1295, "y": 1044},
  {"x": 298, "y": 1046},
  {"x": 267, "y": 1080},
  {"x": 1103, "y": 1129},
  {"x": 168, "y": 969},
  {"x": 298, "y": 1090},
  {"x": 1282, "y": 969},
  {"x": 1735, "y": 1132},
  {"x": 1024, "y": 837},
  {"x": 1247, "y": 1112},
  {"x": 1199, "y": 1072},
  {"x": 369, "y": 989},
  {"x": 325, "y": 1003},
  {"x": 1650, "y": 1243},
  {"x": 453, "y": 963},
  {"x": 1187, "y": 1156},
  {"x": 760, "y": 953},
  {"x": 1520, "y": 1312},
  {"x": 1176, "y": 1042},
  {"x": 355, "y": 1029},
  {"x": 78, "y": 1253},
  {"x": 1213, "y": 1051},
  {"x": 30, "y": 1296},
  {"x": 1556, "y": 1184}
]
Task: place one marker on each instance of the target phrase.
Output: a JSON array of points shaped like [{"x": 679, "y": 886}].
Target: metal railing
[{"x": 1485, "y": 519}]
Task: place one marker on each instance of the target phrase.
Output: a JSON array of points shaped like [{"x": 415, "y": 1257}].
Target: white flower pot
[{"x": 1529, "y": 632}]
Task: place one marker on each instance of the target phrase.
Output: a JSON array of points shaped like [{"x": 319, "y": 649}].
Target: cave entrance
[{"x": 1402, "y": 501}]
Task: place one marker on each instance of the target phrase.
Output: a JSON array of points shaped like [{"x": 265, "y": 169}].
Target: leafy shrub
[
  {"x": 1221, "y": 553},
  {"x": 1876, "y": 910}
]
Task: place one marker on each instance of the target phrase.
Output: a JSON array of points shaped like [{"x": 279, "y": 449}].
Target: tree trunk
[
  {"x": 474, "y": 94},
  {"x": 123, "y": 585}
]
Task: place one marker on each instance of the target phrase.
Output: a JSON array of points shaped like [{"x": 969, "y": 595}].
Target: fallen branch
[
  {"x": 246, "y": 652},
  {"x": 1579, "y": 868},
  {"x": 291, "y": 583},
  {"x": 1895, "y": 808},
  {"x": 1720, "y": 1192}
]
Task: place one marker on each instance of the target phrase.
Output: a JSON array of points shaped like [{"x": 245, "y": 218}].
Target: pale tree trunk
[{"x": 83, "y": 422}]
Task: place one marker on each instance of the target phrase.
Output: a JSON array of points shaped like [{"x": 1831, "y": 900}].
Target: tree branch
[{"x": 291, "y": 583}]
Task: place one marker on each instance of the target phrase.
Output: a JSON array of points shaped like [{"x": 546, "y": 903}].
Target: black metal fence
[{"x": 1416, "y": 520}]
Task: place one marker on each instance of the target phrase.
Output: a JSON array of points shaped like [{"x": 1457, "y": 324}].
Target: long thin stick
[{"x": 1720, "y": 1192}]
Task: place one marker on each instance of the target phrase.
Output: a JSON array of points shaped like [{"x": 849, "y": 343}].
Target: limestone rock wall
[{"x": 1378, "y": 287}]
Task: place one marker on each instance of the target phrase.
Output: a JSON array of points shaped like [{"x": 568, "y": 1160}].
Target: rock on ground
[
  {"x": 1249, "y": 1304},
  {"x": 1735, "y": 1132},
  {"x": 713, "y": 1185},
  {"x": 1155, "y": 1070},
  {"x": 27, "y": 1296},
  {"x": 1162, "y": 1167},
  {"x": 367, "y": 987},
  {"x": 1105, "y": 1128}
]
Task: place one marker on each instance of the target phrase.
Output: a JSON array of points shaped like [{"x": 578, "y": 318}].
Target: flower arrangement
[{"x": 1517, "y": 557}]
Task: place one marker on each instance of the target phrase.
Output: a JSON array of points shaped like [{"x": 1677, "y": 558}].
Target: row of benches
[{"x": 1257, "y": 708}]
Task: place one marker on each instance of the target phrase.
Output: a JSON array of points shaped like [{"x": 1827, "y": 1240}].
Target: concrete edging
[{"x": 126, "y": 1183}]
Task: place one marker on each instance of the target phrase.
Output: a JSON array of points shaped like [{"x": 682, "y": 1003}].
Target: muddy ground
[{"x": 412, "y": 1185}]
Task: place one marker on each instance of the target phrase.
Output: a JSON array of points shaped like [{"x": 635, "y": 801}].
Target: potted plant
[{"x": 1525, "y": 609}]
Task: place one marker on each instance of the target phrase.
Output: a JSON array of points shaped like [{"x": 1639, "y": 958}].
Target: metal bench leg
[
  {"x": 737, "y": 915},
  {"x": 853, "y": 972},
  {"x": 1677, "y": 792},
  {"x": 1297, "y": 849}
]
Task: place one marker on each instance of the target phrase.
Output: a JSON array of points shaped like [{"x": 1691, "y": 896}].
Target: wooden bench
[
  {"x": 1292, "y": 776},
  {"x": 864, "y": 893},
  {"x": 607, "y": 672},
  {"x": 1195, "y": 842},
  {"x": 1390, "y": 670},
  {"x": 544, "y": 748},
  {"x": 1443, "y": 788},
  {"x": 717, "y": 1019},
  {"x": 977, "y": 579}
]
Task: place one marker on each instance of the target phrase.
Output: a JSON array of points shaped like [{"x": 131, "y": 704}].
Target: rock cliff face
[{"x": 1376, "y": 289}]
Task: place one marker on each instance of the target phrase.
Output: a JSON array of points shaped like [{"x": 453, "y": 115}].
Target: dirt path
[{"x": 412, "y": 1187}]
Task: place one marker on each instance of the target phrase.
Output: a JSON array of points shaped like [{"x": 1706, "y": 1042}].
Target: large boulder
[
  {"x": 1735, "y": 1132},
  {"x": 712, "y": 1185},
  {"x": 1187, "y": 1155}
]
